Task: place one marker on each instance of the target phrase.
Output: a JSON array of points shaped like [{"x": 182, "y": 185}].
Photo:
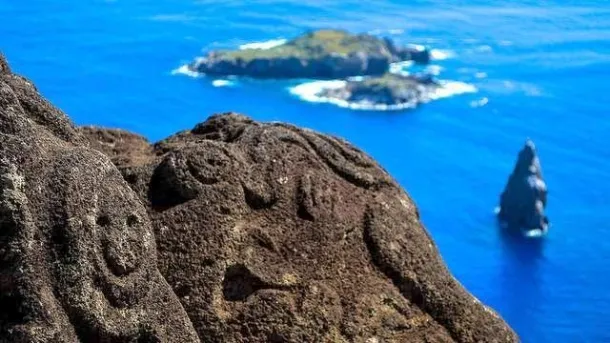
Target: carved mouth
[
  {"x": 125, "y": 283},
  {"x": 118, "y": 248},
  {"x": 240, "y": 283},
  {"x": 121, "y": 261}
]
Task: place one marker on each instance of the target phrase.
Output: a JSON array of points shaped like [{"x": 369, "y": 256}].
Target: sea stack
[{"x": 524, "y": 199}]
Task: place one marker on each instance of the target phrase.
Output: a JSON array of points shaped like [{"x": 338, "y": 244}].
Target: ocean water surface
[{"x": 534, "y": 69}]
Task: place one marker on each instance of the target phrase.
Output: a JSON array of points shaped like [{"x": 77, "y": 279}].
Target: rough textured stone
[
  {"x": 122, "y": 146},
  {"x": 524, "y": 198},
  {"x": 77, "y": 251},
  {"x": 272, "y": 233},
  {"x": 264, "y": 233}
]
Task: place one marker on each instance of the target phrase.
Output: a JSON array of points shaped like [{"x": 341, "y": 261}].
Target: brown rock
[
  {"x": 271, "y": 233},
  {"x": 265, "y": 233},
  {"x": 77, "y": 253},
  {"x": 122, "y": 146}
]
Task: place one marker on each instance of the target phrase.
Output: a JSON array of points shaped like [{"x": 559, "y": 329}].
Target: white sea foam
[
  {"x": 390, "y": 31},
  {"x": 526, "y": 88},
  {"x": 310, "y": 92},
  {"x": 263, "y": 45},
  {"x": 479, "y": 103},
  {"x": 223, "y": 83},
  {"x": 434, "y": 69},
  {"x": 484, "y": 48},
  {"x": 404, "y": 67},
  {"x": 355, "y": 78},
  {"x": 451, "y": 88},
  {"x": 440, "y": 55},
  {"x": 417, "y": 47},
  {"x": 480, "y": 75},
  {"x": 527, "y": 233},
  {"x": 185, "y": 70},
  {"x": 534, "y": 233},
  {"x": 400, "y": 67}
]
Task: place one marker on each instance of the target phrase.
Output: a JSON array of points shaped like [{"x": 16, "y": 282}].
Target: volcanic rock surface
[
  {"x": 78, "y": 261},
  {"x": 269, "y": 232},
  {"x": 234, "y": 231},
  {"x": 524, "y": 198}
]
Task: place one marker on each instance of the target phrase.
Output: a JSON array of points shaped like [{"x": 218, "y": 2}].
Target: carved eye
[
  {"x": 103, "y": 220},
  {"x": 214, "y": 162},
  {"x": 133, "y": 220}
]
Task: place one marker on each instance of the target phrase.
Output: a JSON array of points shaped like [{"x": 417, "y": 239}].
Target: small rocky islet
[
  {"x": 362, "y": 60},
  {"x": 390, "y": 91},
  {"x": 524, "y": 198},
  {"x": 321, "y": 54}
]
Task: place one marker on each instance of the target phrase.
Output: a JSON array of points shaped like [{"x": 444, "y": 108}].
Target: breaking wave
[
  {"x": 185, "y": 70},
  {"x": 451, "y": 88},
  {"x": 434, "y": 69},
  {"x": 309, "y": 91},
  {"x": 401, "y": 67},
  {"x": 479, "y": 103},
  {"x": 534, "y": 233},
  {"x": 390, "y": 31},
  {"x": 263, "y": 45},
  {"x": 223, "y": 83},
  {"x": 440, "y": 55}
]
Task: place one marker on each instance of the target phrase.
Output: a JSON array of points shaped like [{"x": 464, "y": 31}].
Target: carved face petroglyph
[{"x": 106, "y": 256}]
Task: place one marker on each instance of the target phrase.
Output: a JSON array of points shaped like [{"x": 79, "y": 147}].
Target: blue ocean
[{"x": 519, "y": 69}]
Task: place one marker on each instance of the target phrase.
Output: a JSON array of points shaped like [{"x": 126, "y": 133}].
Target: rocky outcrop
[
  {"x": 325, "y": 67},
  {"x": 524, "y": 198},
  {"x": 124, "y": 147},
  {"x": 77, "y": 251},
  {"x": 395, "y": 91},
  {"x": 264, "y": 233},
  {"x": 268, "y": 232},
  {"x": 322, "y": 54}
]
